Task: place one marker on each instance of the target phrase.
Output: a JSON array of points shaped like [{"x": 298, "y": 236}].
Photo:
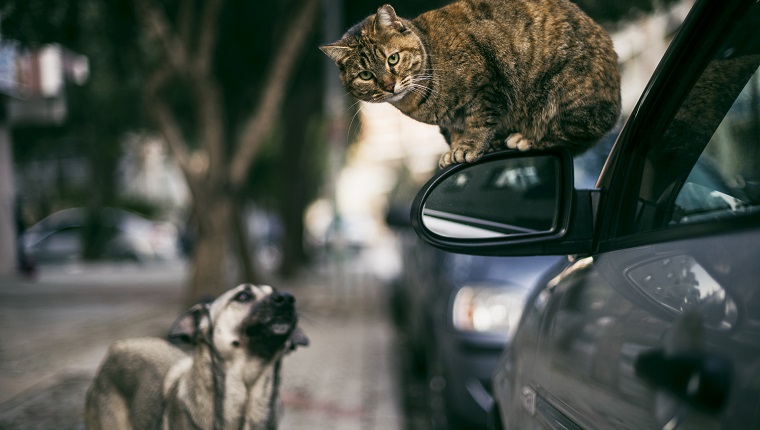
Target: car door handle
[{"x": 703, "y": 381}]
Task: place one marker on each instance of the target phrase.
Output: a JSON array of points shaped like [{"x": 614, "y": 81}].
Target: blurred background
[{"x": 156, "y": 152}]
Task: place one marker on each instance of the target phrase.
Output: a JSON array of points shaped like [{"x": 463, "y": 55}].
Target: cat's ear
[
  {"x": 386, "y": 18},
  {"x": 336, "y": 51}
]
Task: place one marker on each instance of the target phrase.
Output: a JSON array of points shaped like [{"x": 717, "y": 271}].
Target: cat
[{"x": 525, "y": 74}]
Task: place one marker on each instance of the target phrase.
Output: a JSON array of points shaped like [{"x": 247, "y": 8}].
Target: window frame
[{"x": 709, "y": 25}]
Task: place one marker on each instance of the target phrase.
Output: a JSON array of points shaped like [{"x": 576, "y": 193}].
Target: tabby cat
[{"x": 521, "y": 73}]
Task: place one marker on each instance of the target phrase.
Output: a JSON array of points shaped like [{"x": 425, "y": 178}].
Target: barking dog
[{"x": 230, "y": 380}]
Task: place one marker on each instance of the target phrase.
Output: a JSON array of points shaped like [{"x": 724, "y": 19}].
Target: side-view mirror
[
  {"x": 507, "y": 203},
  {"x": 397, "y": 216}
]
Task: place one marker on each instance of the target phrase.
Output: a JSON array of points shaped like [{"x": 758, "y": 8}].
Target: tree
[
  {"x": 213, "y": 133},
  {"x": 214, "y": 176}
]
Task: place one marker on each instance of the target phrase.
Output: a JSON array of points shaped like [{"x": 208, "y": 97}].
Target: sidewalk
[
  {"x": 50, "y": 348},
  {"x": 347, "y": 379}
]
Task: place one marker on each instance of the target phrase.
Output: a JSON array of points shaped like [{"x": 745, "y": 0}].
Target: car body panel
[{"x": 594, "y": 321}]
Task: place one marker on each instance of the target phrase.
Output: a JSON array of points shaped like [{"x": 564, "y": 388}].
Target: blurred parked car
[
  {"x": 455, "y": 312},
  {"x": 654, "y": 321},
  {"x": 128, "y": 236}
]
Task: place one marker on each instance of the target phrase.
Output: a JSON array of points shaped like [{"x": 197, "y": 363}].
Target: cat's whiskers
[
  {"x": 420, "y": 77},
  {"x": 420, "y": 91},
  {"x": 358, "y": 127},
  {"x": 415, "y": 85},
  {"x": 352, "y": 106}
]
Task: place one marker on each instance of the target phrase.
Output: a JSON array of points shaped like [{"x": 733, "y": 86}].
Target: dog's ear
[
  {"x": 297, "y": 338},
  {"x": 186, "y": 329}
]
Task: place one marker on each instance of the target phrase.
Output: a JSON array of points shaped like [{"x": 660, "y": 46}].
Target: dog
[{"x": 229, "y": 379}]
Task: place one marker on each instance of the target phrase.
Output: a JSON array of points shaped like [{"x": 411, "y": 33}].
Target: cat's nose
[{"x": 389, "y": 85}]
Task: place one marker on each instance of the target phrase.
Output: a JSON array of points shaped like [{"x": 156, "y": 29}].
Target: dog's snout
[{"x": 281, "y": 299}]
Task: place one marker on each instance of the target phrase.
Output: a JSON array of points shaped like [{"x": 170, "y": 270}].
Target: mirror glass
[{"x": 498, "y": 198}]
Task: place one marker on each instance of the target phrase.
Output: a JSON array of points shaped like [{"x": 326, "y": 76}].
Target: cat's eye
[
  {"x": 393, "y": 59},
  {"x": 365, "y": 75}
]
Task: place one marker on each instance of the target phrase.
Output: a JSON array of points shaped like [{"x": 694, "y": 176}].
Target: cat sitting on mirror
[{"x": 523, "y": 74}]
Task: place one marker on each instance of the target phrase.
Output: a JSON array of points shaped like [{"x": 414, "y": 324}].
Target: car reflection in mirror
[{"x": 499, "y": 198}]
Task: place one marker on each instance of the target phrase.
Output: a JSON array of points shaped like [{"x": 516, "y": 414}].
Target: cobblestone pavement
[{"x": 54, "y": 332}]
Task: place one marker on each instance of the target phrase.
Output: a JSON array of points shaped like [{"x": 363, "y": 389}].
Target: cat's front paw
[
  {"x": 519, "y": 142},
  {"x": 460, "y": 155}
]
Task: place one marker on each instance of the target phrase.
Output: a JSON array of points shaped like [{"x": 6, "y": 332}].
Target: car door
[{"x": 659, "y": 327}]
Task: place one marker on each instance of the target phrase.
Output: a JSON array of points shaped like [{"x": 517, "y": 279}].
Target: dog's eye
[{"x": 243, "y": 296}]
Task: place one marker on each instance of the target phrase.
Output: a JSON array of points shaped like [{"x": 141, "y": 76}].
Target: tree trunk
[
  {"x": 212, "y": 252},
  {"x": 245, "y": 249},
  {"x": 103, "y": 163}
]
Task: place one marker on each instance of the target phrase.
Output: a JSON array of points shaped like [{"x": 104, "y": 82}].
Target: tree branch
[
  {"x": 165, "y": 121},
  {"x": 176, "y": 47},
  {"x": 208, "y": 36},
  {"x": 185, "y": 19},
  {"x": 157, "y": 24},
  {"x": 210, "y": 127},
  {"x": 209, "y": 106},
  {"x": 261, "y": 121}
]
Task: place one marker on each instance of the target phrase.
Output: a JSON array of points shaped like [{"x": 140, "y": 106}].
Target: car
[
  {"x": 59, "y": 237},
  {"x": 455, "y": 312},
  {"x": 653, "y": 322}
]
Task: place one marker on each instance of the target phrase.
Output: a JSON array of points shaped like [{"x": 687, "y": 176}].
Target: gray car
[
  {"x": 59, "y": 237},
  {"x": 654, "y": 321},
  {"x": 455, "y": 313}
]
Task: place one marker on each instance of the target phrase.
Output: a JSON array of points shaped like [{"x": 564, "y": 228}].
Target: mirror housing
[{"x": 508, "y": 203}]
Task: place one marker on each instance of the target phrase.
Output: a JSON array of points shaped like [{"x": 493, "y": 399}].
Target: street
[{"x": 55, "y": 330}]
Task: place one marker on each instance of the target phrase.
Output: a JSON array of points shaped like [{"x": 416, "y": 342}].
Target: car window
[
  {"x": 705, "y": 165},
  {"x": 725, "y": 181},
  {"x": 60, "y": 244}
]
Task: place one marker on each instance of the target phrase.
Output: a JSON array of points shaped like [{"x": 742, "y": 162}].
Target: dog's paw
[
  {"x": 519, "y": 142},
  {"x": 460, "y": 154}
]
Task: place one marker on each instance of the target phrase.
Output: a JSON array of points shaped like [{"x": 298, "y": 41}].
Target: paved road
[{"x": 55, "y": 331}]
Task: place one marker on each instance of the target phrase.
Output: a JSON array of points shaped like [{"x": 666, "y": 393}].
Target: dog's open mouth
[
  {"x": 280, "y": 329},
  {"x": 265, "y": 339},
  {"x": 277, "y": 327}
]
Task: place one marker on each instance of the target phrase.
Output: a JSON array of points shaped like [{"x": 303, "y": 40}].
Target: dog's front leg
[
  {"x": 263, "y": 403},
  {"x": 189, "y": 396}
]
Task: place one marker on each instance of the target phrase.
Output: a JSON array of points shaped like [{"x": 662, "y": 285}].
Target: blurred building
[
  {"x": 147, "y": 172},
  {"x": 31, "y": 92},
  {"x": 35, "y": 78},
  {"x": 640, "y": 45}
]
